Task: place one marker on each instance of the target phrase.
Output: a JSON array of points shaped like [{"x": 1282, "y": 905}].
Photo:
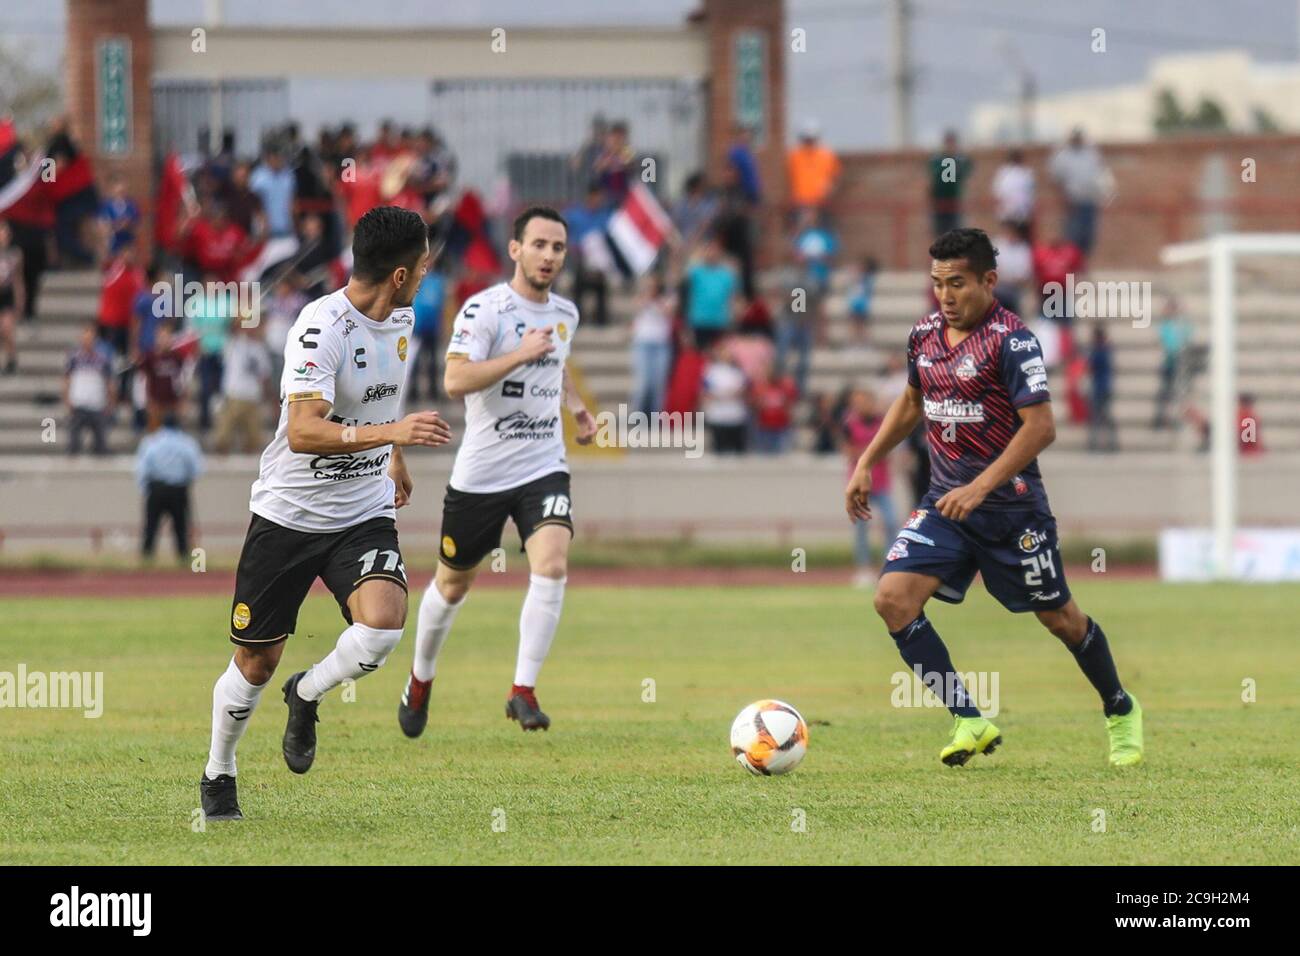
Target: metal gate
[
  {"x": 185, "y": 110},
  {"x": 526, "y": 130}
]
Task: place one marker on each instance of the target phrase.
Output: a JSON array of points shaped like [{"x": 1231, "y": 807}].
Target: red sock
[
  {"x": 417, "y": 691},
  {"x": 516, "y": 689}
]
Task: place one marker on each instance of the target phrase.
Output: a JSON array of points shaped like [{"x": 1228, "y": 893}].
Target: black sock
[
  {"x": 1098, "y": 666},
  {"x": 924, "y": 651}
]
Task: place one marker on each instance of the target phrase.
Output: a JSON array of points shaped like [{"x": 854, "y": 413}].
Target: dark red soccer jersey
[{"x": 970, "y": 394}]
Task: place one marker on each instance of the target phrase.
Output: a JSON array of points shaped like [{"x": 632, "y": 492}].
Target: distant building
[{"x": 1230, "y": 78}]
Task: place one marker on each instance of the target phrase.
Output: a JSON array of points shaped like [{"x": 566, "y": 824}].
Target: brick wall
[
  {"x": 88, "y": 20},
  {"x": 882, "y": 206},
  {"x": 723, "y": 20}
]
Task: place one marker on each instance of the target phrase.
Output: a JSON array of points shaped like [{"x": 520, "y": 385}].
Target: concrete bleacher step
[{"x": 1268, "y": 361}]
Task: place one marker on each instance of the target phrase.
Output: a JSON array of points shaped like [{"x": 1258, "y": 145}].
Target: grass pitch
[{"x": 622, "y": 779}]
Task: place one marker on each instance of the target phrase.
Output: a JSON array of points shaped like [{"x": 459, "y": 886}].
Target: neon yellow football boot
[
  {"x": 970, "y": 736},
  {"x": 1126, "y": 737}
]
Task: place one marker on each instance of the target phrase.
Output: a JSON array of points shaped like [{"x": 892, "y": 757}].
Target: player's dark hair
[
  {"x": 535, "y": 212},
  {"x": 385, "y": 238},
  {"x": 973, "y": 245}
]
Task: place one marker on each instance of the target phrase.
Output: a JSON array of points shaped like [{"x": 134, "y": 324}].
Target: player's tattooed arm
[
  {"x": 902, "y": 417},
  {"x": 585, "y": 421},
  {"x": 465, "y": 376},
  {"x": 1037, "y": 431},
  {"x": 311, "y": 434}
]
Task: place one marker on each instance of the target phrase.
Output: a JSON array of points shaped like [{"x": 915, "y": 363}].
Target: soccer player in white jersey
[
  {"x": 325, "y": 498},
  {"x": 507, "y": 358}
]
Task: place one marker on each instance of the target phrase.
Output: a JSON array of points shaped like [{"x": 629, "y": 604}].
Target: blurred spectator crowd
[{"x": 707, "y": 332}]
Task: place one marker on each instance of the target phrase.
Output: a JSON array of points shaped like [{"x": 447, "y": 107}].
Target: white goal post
[{"x": 1222, "y": 252}]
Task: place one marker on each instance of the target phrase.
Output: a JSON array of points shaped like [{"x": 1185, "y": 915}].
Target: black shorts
[
  {"x": 472, "y": 523},
  {"x": 278, "y": 566}
]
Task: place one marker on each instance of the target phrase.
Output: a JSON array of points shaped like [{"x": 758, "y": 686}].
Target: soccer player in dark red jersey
[{"x": 976, "y": 374}]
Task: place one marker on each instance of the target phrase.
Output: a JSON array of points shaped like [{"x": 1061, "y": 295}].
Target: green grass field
[{"x": 620, "y": 780}]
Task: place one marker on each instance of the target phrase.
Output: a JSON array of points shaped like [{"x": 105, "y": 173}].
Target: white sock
[
  {"x": 431, "y": 629},
  {"x": 537, "y": 623},
  {"x": 233, "y": 701},
  {"x": 360, "y": 650}
]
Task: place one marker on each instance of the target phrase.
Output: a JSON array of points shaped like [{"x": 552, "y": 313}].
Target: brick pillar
[
  {"x": 730, "y": 22},
  {"x": 89, "y": 21}
]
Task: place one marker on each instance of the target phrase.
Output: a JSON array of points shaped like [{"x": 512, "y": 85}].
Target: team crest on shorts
[
  {"x": 967, "y": 367},
  {"x": 915, "y": 519},
  {"x": 562, "y": 331},
  {"x": 241, "y": 617},
  {"x": 448, "y": 546},
  {"x": 1032, "y": 540},
  {"x": 899, "y": 550},
  {"x": 1020, "y": 485},
  {"x": 401, "y": 348}
]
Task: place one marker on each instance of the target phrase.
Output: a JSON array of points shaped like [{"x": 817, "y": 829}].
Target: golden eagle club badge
[
  {"x": 562, "y": 331},
  {"x": 448, "y": 546},
  {"x": 401, "y": 348},
  {"x": 241, "y": 617}
]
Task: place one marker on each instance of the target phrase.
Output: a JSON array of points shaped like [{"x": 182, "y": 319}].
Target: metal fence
[
  {"x": 525, "y": 130},
  {"x": 522, "y": 131},
  {"x": 184, "y": 112}
]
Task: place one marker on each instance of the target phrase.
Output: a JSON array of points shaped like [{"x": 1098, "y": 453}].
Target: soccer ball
[{"x": 769, "y": 737}]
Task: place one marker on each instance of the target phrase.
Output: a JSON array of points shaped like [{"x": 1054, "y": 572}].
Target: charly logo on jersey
[
  {"x": 967, "y": 368},
  {"x": 401, "y": 348},
  {"x": 522, "y": 425},
  {"x": 512, "y": 389},
  {"x": 1032, "y": 540},
  {"x": 377, "y": 393},
  {"x": 520, "y": 327},
  {"x": 952, "y": 410}
]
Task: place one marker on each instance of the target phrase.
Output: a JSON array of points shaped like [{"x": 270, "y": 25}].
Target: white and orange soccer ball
[{"x": 769, "y": 737}]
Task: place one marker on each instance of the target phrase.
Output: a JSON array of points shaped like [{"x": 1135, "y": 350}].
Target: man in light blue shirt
[
  {"x": 711, "y": 287},
  {"x": 275, "y": 184},
  {"x": 166, "y": 464}
]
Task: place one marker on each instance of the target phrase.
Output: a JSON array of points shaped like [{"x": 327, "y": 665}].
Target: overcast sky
[{"x": 962, "y": 49}]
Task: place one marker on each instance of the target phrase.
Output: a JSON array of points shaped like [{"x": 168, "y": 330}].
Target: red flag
[{"x": 639, "y": 228}]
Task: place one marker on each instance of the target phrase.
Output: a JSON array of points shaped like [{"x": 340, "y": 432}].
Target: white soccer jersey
[
  {"x": 336, "y": 354},
  {"x": 513, "y": 430}
]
